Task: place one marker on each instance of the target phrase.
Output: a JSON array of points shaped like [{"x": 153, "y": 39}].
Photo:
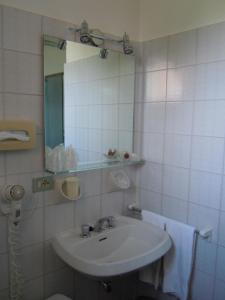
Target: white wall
[
  {"x": 142, "y": 19},
  {"x": 163, "y": 17},
  {"x": 180, "y": 125},
  {"x": 113, "y": 17}
]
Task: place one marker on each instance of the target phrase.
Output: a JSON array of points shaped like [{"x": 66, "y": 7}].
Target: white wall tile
[
  {"x": 32, "y": 254},
  {"x": 205, "y": 189},
  {"x": 58, "y": 28},
  {"x": 4, "y": 280},
  {"x": 154, "y": 86},
  {"x": 4, "y": 294},
  {"x": 220, "y": 265},
  {"x": 177, "y": 150},
  {"x": 1, "y": 105},
  {"x": 130, "y": 196},
  {"x": 175, "y": 182},
  {"x": 155, "y": 54},
  {"x": 51, "y": 260},
  {"x": 58, "y": 218},
  {"x": 181, "y": 84},
  {"x": 179, "y": 117},
  {"x": 150, "y": 200},
  {"x": 32, "y": 227},
  {"x": 2, "y": 182},
  {"x": 211, "y": 43},
  {"x": 203, "y": 217},
  {"x": 202, "y": 286},
  {"x": 59, "y": 282},
  {"x": 153, "y": 147},
  {"x": 207, "y": 154},
  {"x": 153, "y": 117},
  {"x": 182, "y": 49},
  {"x": 87, "y": 211},
  {"x": 222, "y": 229},
  {"x": 24, "y": 107},
  {"x": 22, "y": 30},
  {"x": 34, "y": 289},
  {"x": 223, "y": 195},
  {"x": 219, "y": 290},
  {"x": 3, "y": 233},
  {"x": 1, "y": 23},
  {"x": 150, "y": 177},
  {"x": 209, "y": 118},
  {"x": 26, "y": 161},
  {"x": 1, "y": 71},
  {"x": 138, "y": 48},
  {"x": 206, "y": 256},
  {"x": 112, "y": 204},
  {"x": 23, "y": 73},
  {"x": 210, "y": 81},
  {"x": 174, "y": 208},
  {"x": 92, "y": 181},
  {"x": 2, "y": 164}
]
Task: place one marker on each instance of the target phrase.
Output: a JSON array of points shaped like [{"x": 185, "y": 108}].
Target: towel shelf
[
  {"x": 204, "y": 233},
  {"x": 17, "y": 135}
]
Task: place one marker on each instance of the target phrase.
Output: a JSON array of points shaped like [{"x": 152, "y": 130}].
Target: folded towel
[
  {"x": 178, "y": 262},
  {"x": 152, "y": 273}
]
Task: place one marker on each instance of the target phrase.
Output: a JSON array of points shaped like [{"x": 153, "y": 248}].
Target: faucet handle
[
  {"x": 85, "y": 230},
  {"x": 111, "y": 221}
]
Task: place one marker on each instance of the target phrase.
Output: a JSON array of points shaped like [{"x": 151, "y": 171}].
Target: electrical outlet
[{"x": 42, "y": 184}]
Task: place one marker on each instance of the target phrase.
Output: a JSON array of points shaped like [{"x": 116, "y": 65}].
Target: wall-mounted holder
[
  {"x": 17, "y": 135},
  {"x": 118, "y": 179},
  {"x": 69, "y": 187}
]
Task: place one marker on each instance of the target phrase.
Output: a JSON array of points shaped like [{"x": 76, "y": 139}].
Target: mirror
[{"x": 89, "y": 104}]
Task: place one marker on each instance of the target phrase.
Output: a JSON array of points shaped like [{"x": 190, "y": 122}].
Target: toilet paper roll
[{"x": 69, "y": 188}]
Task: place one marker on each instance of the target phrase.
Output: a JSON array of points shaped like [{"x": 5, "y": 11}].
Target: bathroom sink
[{"x": 131, "y": 245}]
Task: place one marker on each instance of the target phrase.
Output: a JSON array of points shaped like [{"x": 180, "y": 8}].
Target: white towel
[
  {"x": 151, "y": 273},
  {"x": 179, "y": 260}
]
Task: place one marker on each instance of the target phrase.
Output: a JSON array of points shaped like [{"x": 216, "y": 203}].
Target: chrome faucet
[{"x": 103, "y": 223}]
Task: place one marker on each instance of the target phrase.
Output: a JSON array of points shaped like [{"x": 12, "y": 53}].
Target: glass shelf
[{"x": 100, "y": 165}]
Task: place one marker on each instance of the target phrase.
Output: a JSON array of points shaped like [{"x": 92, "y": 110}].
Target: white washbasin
[{"x": 131, "y": 245}]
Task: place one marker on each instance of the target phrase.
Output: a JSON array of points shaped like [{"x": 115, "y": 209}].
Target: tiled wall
[
  {"x": 179, "y": 127},
  {"x": 99, "y": 98},
  {"x": 21, "y": 96},
  {"x": 180, "y": 131}
]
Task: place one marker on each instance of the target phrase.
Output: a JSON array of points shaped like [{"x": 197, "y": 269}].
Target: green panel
[{"x": 54, "y": 133}]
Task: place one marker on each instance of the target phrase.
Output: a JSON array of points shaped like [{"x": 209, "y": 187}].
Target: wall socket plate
[{"x": 42, "y": 184}]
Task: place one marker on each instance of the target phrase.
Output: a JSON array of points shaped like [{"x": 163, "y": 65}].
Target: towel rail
[{"x": 204, "y": 233}]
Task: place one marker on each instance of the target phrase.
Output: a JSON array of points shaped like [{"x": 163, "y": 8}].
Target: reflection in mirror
[{"x": 89, "y": 95}]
